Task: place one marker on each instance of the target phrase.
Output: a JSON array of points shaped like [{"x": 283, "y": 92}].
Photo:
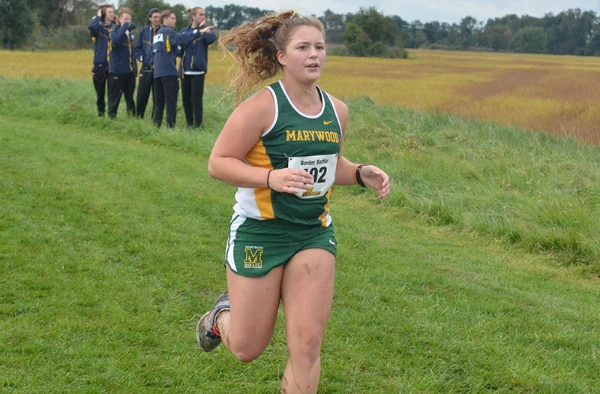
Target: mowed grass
[
  {"x": 479, "y": 273},
  {"x": 558, "y": 94}
]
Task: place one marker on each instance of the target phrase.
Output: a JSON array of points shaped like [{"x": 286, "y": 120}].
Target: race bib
[{"x": 322, "y": 168}]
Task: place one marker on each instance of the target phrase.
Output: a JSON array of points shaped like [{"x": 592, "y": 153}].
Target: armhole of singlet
[
  {"x": 276, "y": 112},
  {"x": 335, "y": 112}
]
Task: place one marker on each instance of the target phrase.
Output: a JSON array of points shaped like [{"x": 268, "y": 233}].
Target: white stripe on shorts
[{"x": 236, "y": 222}]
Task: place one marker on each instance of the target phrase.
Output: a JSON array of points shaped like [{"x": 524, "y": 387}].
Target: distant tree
[
  {"x": 452, "y": 35},
  {"x": 498, "y": 37},
  {"x": 254, "y": 13},
  {"x": 568, "y": 32},
  {"x": 515, "y": 22},
  {"x": 400, "y": 23},
  {"x": 17, "y": 23},
  {"x": 417, "y": 34},
  {"x": 479, "y": 38},
  {"x": 334, "y": 26},
  {"x": 356, "y": 40},
  {"x": 215, "y": 16},
  {"x": 433, "y": 31},
  {"x": 468, "y": 27},
  {"x": 140, "y": 9},
  {"x": 377, "y": 26},
  {"x": 61, "y": 13},
  {"x": 232, "y": 15},
  {"x": 593, "y": 46},
  {"x": 529, "y": 40},
  {"x": 183, "y": 18},
  {"x": 332, "y": 21},
  {"x": 370, "y": 33}
]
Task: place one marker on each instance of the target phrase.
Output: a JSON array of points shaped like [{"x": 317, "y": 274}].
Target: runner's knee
[
  {"x": 246, "y": 354},
  {"x": 307, "y": 346}
]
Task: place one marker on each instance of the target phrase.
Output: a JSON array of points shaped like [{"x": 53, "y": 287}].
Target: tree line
[
  {"x": 570, "y": 32},
  {"x": 54, "y": 24}
]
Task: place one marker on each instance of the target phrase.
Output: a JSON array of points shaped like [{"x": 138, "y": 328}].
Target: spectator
[
  {"x": 99, "y": 28},
  {"x": 194, "y": 66},
  {"x": 166, "y": 77},
  {"x": 143, "y": 53},
  {"x": 122, "y": 68}
]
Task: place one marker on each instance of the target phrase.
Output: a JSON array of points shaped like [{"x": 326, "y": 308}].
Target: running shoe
[{"x": 207, "y": 334}]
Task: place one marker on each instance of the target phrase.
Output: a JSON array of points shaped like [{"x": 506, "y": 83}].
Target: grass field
[
  {"x": 479, "y": 274},
  {"x": 535, "y": 92}
]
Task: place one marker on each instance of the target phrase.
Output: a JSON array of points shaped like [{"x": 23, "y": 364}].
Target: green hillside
[{"x": 479, "y": 273}]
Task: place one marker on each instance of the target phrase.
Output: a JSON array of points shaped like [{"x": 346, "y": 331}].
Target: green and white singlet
[{"x": 301, "y": 141}]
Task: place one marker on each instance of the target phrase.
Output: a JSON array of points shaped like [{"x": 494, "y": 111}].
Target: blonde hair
[
  {"x": 193, "y": 11},
  {"x": 164, "y": 15},
  {"x": 124, "y": 10},
  {"x": 256, "y": 46}
]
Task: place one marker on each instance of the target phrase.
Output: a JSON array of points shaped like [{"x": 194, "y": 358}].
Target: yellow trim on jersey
[
  {"x": 323, "y": 216},
  {"x": 264, "y": 203},
  {"x": 131, "y": 59},
  {"x": 257, "y": 157}
]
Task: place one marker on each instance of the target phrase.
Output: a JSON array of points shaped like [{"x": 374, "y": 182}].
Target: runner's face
[{"x": 304, "y": 55}]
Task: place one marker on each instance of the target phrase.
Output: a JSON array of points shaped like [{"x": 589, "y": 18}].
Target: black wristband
[
  {"x": 358, "y": 177},
  {"x": 268, "y": 175}
]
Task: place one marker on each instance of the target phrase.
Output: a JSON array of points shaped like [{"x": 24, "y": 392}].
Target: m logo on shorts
[{"x": 253, "y": 257}]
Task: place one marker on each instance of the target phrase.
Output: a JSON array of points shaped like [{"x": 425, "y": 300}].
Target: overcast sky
[{"x": 424, "y": 10}]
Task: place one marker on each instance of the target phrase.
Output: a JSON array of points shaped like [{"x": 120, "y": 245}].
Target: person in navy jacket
[
  {"x": 143, "y": 52},
  {"x": 166, "y": 76},
  {"x": 193, "y": 66},
  {"x": 99, "y": 28},
  {"x": 122, "y": 68}
]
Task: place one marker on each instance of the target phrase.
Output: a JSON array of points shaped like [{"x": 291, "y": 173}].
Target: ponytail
[{"x": 256, "y": 45}]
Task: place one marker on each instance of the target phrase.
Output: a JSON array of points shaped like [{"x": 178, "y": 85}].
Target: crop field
[{"x": 558, "y": 94}]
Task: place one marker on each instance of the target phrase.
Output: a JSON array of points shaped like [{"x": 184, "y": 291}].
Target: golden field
[{"x": 560, "y": 94}]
